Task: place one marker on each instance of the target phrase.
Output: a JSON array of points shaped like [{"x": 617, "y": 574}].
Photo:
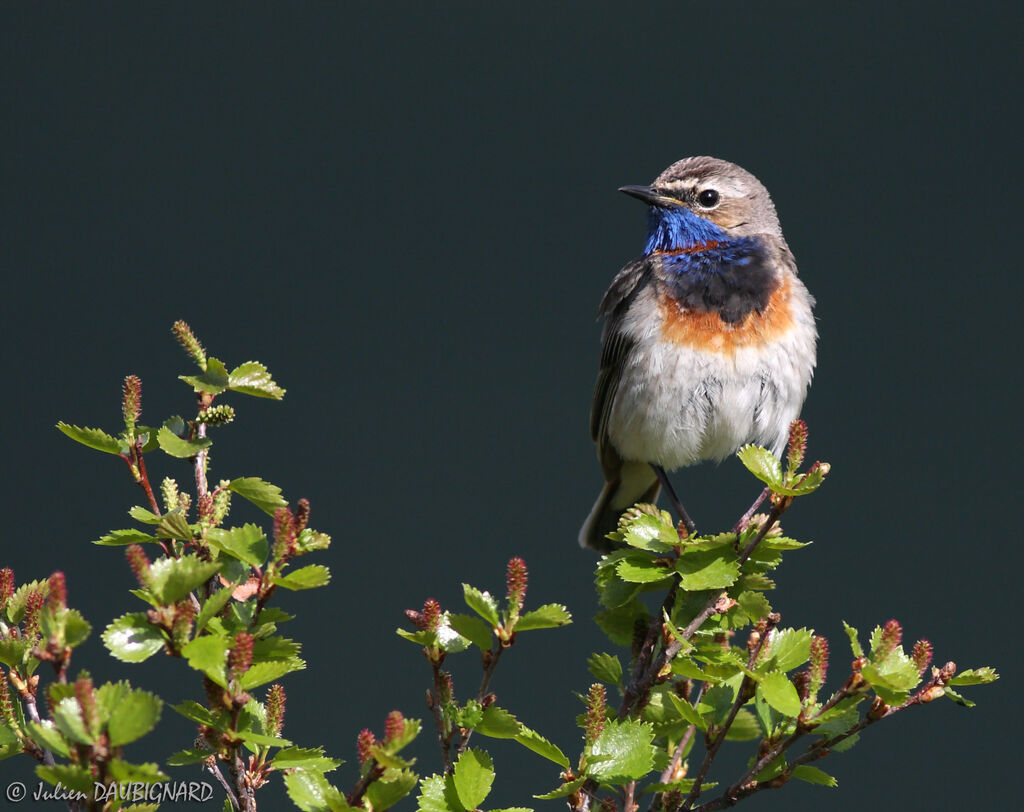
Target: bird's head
[{"x": 704, "y": 200}]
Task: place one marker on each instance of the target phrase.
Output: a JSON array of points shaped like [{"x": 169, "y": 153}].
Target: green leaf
[
  {"x": 132, "y": 638},
  {"x": 265, "y": 496},
  {"x": 711, "y": 569},
  {"x": 173, "y": 525},
  {"x": 71, "y": 777},
  {"x": 754, "y": 605},
  {"x": 261, "y": 739},
  {"x": 473, "y": 776},
  {"x": 390, "y": 788},
  {"x": 806, "y": 483},
  {"x": 312, "y": 758},
  {"x": 171, "y": 579},
  {"x": 564, "y": 790},
  {"x": 176, "y": 446},
  {"x": 94, "y": 438},
  {"x": 184, "y": 757},
  {"x": 246, "y": 543},
  {"x": 45, "y": 734},
  {"x": 133, "y": 717},
  {"x": 949, "y": 693},
  {"x": 76, "y": 628},
  {"x": 305, "y": 577},
  {"x": 67, "y": 716},
  {"x": 762, "y": 464},
  {"x": 197, "y": 713},
  {"x": 532, "y": 740},
  {"x": 473, "y": 629},
  {"x": 310, "y": 791},
  {"x": 854, "y": 643},
  {"x": 498, "y": 723},
  {"x": 975, "y": 676},
  {"x": 432, "y": 796},
  {"x": 483, "y": 603},
  {"x": 214, "y": 604},
  {"x": 743, "y": 728},
  {"x": 605, "y": 667},
  {"x": 687, "y": 711},
  {"x": 656, "y": 534},
  {"x": 549, "y": 616},
  {"x": 812, "y": 775},
  {"x": 140, "y": 514},
  {"x": 779, "y": 692},
  {"x": 252, "y": 378},
  {"x": 788, "y": 648},
  {"x": 123, "y": 772},
  {"x": 120, "y": 538},
  {"x": 213, "y": 380},
  {"x": 642, "y": 570},
  {"x": 262, "y": 673},
  {"x": 626, "y": 750},
  {"x": 208, "y": 653}
]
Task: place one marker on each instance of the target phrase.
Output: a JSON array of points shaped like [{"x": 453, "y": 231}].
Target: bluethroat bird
[{"x": 708, "y": 340}]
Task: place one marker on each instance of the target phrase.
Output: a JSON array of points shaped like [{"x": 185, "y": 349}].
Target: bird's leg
[
  {"x": 750, "y": 511},
  {"x": 663, "y": 479}
]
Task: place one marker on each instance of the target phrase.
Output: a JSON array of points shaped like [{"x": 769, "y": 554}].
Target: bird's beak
[{"x": 649, "y": 196}]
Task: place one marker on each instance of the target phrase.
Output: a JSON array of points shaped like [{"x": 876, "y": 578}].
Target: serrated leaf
[
  {"x": 45, "y": 734},
  {"x": 949, "y": 693},
  {"x": 975, "y": 676},
  {"x": 564, "y": 790},
  {"x": 390, "y": 788},
  {"x": 754, "y": 605},
  {"x": 261, "y": 739},
  {"x": 687, "y": 711},
  {"x": 67, "y": 716},
  {"x": 265, "y": 496},
  {"x": 548, "y": 616},
  {"x": 140, "y": 514},
  {"x": 744, "y": 727},
  {"x": 197, "y": 713},
  {"x": 483, "y": 603},
  {"x": 93, "y": 438},
  {"x": 532, "y": 740},
  {"x": 171, "y": 579},
  {"x": 252, "y": 378},
  {"x": 812, "y": 775},
  {"x": 308, "y": 577},
  {"x": 123, "y": 772},
  {"x": 432, "y": 796},
  {"x": 184, "y": 757},
  {"x": 605, "y": 667},
  {"x": 642, "y": 570},
  {"x": 498, "y": 723},
  {"x": 120, "y": 538},
  {"x": 173, "y": 525},
  {"x": 75, "y": 627},
  {"x": 762, "y": 464},
  {"x": 805, "y": 484},
  {"x": 473, "y": 629},
  {"x": 310, "y": 758},
  {"x": 854, "y": 642},
  {"x": 473, "y": 776},
  {"x": 213, "y": 380},
  {"x": 208, "y": 653},
  {"x": 132, "y": 638},
  {"x": 788, "y": 648},
  {"x": 178, "y": 447},
  {"x": 70, "y": 777},
  {"x": 246, "y": 543},
  {"x": 656, "y": 534},
  {"x": 713, "y": 569},
  {"x": 133, "y": 717},
  {"x": 262, "y": 673},
  {"x": 310, "y": 791},
  {"x": 625, "y": 752},
  {"x": 214, "y": 604},
  {"x": 780, "y": 693}
]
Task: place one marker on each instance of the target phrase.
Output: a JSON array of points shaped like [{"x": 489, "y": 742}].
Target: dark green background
[{"x": 408, "y": 211}]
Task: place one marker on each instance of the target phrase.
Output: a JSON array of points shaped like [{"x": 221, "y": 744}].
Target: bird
[{"x": 709, "y": 339}]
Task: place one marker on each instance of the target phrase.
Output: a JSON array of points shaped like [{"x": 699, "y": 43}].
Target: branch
[{"x": 491, "y": 663}]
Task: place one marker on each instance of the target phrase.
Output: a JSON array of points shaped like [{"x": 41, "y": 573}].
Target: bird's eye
[{"x": 708, "y": 198}]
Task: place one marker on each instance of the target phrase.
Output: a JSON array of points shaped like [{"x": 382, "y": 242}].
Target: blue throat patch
[
  {"x": 732, "y": 276},
  {"x": 678, "y": 228}
]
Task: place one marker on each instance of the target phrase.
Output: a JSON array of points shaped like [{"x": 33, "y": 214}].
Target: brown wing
[{"x": 615, "y": 347}]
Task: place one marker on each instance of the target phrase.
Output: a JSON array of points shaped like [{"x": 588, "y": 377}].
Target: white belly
[{"x": 676, "y": 405}]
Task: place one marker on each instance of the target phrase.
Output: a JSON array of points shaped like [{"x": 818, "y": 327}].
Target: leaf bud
[
  {"x": 797, "y": 446},
  {"x": 86, "y": 698},
  {"x": 240, "y": 656},
  {"x": 431, "y": 615},
  {"x": 284, "y": 534},
  {"x": 301, "y": 515},
  {"x": 139, "y": 563},
  {"x": 33, "y": 604},
  {"x": 394, "y": 726},
  {"x": 516, "y": 579},
  {"x": 595, "y": 717},
  {"x": 891, "y": 637},
  {"x": 6, "y": 586},
  {"x": 365, "y": 742},
  {"x": 922, "y": 656},
  {"x": 817, "y": 670},
  {"x": 57, "y": 598}
]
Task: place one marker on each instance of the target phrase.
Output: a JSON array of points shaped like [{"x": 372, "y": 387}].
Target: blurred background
[{"x": 409, "y": 213}]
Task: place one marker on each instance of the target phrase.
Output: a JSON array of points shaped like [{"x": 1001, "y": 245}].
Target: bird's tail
[{"x": 636, "y": 482}]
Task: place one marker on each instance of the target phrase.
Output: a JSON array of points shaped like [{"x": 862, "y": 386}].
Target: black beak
[{"x": 649, "y": 196}]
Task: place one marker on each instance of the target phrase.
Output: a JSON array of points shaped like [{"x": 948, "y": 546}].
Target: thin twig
[
  {"x": 489, "y": 667},
  {"x": 214, "y": 770},
  {"x": 359, "y": 790},
  {"x": 443, "y": 739}
]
